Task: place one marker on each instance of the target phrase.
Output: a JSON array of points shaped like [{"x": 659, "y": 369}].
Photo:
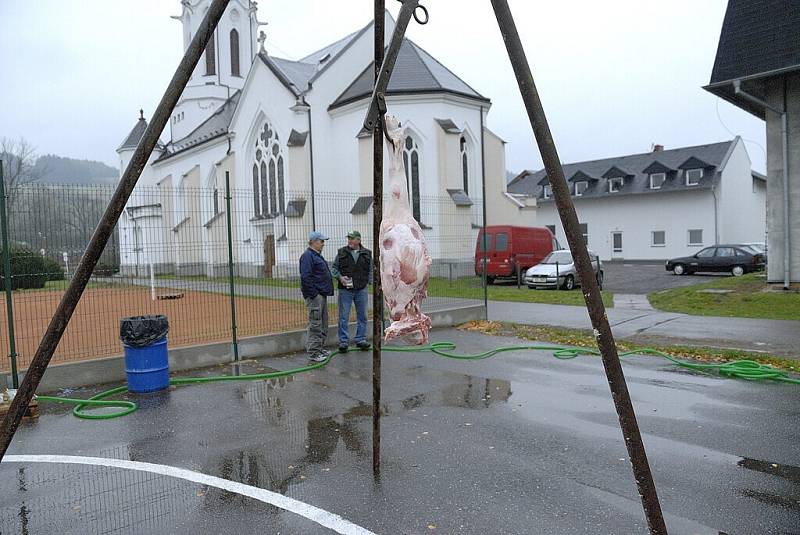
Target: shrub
[{"x": 29, "y": 269}]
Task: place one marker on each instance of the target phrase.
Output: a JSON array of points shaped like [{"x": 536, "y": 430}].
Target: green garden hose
[{"x": 748, "y": 370}]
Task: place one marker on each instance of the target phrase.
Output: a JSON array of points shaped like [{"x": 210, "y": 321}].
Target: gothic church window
[
  {"x": 268, "y": 174},
  {"x": 465, "y": 164},
  {"x": 411, "y": 161},
  {"x": 211, "y": 58},
  {"x": 235, "y": 53}
]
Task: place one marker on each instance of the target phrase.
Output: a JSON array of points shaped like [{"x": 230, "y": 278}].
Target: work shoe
[
  {"x": 363, "y": 346},
  {"x": 342, "y": 348},
  {"x": 319, "y": 357}
]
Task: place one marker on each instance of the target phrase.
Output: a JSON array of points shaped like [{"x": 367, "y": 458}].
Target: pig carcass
[{"x": 405, "y": 262}]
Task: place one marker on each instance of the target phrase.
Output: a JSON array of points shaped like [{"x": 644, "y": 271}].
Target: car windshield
[{"x": 560, "y": 257}]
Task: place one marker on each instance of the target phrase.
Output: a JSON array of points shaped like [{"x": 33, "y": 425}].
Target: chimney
[{"x": 658, "y": 148}]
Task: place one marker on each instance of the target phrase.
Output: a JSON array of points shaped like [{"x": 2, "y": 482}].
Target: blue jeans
[{"x": 347, "y": 298}]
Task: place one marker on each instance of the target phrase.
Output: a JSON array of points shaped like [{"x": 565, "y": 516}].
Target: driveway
[
  {"x": 519, "y": 443},
  {"x": 645, "y": 278}
]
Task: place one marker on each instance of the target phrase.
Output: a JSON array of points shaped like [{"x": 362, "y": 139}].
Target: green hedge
[{"x": 29, "y": 269}]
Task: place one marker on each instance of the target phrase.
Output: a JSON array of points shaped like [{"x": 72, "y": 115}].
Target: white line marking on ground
[{"x": 315, "y": 514}]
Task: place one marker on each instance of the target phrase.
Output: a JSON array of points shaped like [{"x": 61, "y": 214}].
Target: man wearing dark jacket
[
  {"x": 353, "y": 269},
  {"x": 316, "y": 284}
]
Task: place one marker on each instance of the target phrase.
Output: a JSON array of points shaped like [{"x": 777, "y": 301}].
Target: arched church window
[
  {"x": 235, "y": 53},
  {"x": 411, "y": 164},
  {"x": 465, "y": 164},
  {"x": 268, "y": 174},
  {"x": 211, "y": 58}
]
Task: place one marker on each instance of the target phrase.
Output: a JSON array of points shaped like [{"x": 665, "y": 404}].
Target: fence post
[
  {"x": 7, "y": 281},
  {"x": 230, "y": 266}
]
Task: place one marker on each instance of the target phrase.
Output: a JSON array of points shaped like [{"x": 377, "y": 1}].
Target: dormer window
[
  {"x": 547, "y": 192},
  {"x": 615, "y": 184},
  {"x": 657, "y": 180},
  {"x": 693, "y": 176},
  {"x": 580, "y": 187}
]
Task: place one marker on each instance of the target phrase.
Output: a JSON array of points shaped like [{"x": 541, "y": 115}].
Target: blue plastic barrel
[{"x": 147, "y": 367}]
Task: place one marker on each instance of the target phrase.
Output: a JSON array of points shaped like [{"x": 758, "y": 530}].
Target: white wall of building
[
  {"x": 637, "y": 216},
  {"x": 742, "y": 200}
]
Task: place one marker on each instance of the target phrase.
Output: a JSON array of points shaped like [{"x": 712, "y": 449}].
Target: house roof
[
  {"x": 758, "y": 39},
  {"x": 215, "y": 126},
  {"x": 714, "y": 155},
  {"x": 296, "y": 73},
  {"x": 415, "y": 72}
]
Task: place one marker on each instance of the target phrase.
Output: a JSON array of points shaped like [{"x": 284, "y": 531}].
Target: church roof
[
  {"x": 132, "y": 141},
  {"x": 415, "y": 71},
  {"x": 213, "y": 127}
]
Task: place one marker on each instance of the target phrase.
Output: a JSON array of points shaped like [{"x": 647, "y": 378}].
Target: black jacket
[{"x": 358, "y": 270}]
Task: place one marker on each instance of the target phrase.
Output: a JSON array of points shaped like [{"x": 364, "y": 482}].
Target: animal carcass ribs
[{"x": 405, "y": 262}]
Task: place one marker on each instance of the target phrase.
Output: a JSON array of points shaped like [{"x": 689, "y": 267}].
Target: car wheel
[
  {"x": 569, "y": 283},
  {"x": 737, "y": 271},
  {"x": 679, "y": 269},
  {"x": 600, "y": 280}
]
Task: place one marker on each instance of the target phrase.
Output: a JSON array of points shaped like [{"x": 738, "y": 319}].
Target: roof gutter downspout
[
  {"x": 737, "y": 87},
  {"x": 311, "y": 168}
]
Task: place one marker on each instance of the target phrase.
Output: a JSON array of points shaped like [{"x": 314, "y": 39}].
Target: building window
[
  {"x": 268, "y": 174},
  {"x": 211, "y": 58},
  {"x": 547, "y": 191},
  {"x": 615, "y": 184},
  {"x": 235, "y": 53},
  {"x": 657, "y": 180},
  {"x": 580, "y": 187},
  {"x": 693, "y": 176},
  {"x": 216, "y": 200},
  {"x": 658, "y": 238},
  {"x": 585, "y": 232},
  {"x": 696, "y": 237},
  {"x": 616, "y": 242},
  {"x": 411, "y": 161},
  {"x": 465, "y": 164}
]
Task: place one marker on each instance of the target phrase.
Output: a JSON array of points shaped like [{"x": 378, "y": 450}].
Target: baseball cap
[
  {"x": 354, "y": 234},
  {"x": 316, "y": 235}
]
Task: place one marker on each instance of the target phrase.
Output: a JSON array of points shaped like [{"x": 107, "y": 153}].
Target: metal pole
[
  {"x": 106, "y": 225},
  {"x": 7, "y": 281},
  {"x": 483, "y": 226},
  {"x": 591, "y": 292},
  {"x": 230, "y": 266},
  {"x": 377, "y": 216}
]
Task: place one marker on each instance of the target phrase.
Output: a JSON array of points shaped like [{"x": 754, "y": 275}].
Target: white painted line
[{"x": 315, "y": 514}]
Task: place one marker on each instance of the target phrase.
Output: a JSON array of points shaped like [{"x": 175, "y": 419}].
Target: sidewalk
[{"x": 630, "y": 319}]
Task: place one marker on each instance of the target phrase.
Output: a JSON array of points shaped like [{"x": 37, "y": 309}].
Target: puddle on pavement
[{"x": 785, "y": 471}]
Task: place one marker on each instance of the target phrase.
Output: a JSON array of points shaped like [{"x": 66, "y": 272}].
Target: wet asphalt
[{"x": 519, "y": 443}]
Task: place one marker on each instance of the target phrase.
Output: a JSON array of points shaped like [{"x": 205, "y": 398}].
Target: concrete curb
[{"x": 112, "y": 369}]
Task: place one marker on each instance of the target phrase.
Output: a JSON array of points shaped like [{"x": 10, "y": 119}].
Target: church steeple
[{"x": 223, "y": 66}]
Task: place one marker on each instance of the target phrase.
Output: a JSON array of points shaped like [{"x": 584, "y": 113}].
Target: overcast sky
[{"x": 614, "y": 77}]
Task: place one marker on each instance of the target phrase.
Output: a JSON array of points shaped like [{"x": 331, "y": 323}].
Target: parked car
[
  {"x": 735, "y": 259},
  {"x": 557, "y": 270},
  {"x": 512, "y": 248},
  {"x": 757, "y": 247}
]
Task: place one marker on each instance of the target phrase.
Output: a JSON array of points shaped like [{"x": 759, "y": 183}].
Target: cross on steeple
[{"x": 141, "y": 115}]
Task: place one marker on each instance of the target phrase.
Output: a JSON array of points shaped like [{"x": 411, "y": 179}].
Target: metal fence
[{"x": 169, "y": 255}]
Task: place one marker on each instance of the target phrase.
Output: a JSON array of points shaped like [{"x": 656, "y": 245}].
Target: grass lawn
[
  {"x": 470, "y": 288},
  {"x": 584, "y": 338},
  {"x": 749, "y": 298}
]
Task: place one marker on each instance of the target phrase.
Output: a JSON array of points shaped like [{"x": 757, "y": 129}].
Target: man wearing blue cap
[{"x": 316, "y": 284}]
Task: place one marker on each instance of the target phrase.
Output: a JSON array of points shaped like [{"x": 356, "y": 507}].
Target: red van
[{"x": 512, "y": 248}]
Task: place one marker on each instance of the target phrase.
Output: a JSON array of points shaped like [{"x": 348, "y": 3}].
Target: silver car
[{"x": 557, "y": 270}]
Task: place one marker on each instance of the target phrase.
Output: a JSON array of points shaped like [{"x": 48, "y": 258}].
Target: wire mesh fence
[{"x": 170, "y": 255}]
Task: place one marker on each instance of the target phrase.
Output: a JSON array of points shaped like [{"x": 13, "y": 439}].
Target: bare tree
[{"x": 19, "y": 159}]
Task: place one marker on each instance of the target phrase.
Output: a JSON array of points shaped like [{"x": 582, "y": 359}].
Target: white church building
[{"x": 289, "y": 136}]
